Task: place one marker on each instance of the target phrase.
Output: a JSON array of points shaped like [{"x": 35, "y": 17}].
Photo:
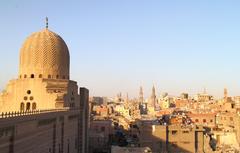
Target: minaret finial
[{"x": 46, "y": 22}]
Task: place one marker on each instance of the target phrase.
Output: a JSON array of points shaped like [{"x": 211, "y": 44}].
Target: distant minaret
[
  {"x": 120, "y": 96},
  {"x": 204, "y": 91},
  {"x": 126, "y": 102},
  {"x": 225, "y": 94},
  {"x": 153, "y": 97},
  {"x": 46, "y": 22},
  {"x": 141, "y": 95}
]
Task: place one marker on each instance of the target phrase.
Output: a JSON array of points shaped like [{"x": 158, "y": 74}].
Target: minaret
[
  {"x": 204, "y": 91},
  {"x": 141, "y": 95},
  {"x": 225, "y": 94},
  {"x": 46, "y": 22},
  {"x": 120, "y": 97},
  {"x": 153, "y": 97}
]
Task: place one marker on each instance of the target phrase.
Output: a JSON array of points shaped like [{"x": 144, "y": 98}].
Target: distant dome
[{"x": 44, "y": 54}]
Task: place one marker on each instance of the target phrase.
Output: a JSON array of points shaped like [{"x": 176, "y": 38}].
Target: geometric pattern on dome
[{"x": 44, "y": 53}]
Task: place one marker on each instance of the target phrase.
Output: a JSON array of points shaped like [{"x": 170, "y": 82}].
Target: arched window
[
  {"x": 49, "y": 76},
  {"x": 40, "y": 76},
  {"x": 34, "y": 106},
  {"x": 25, "y": 75},
  {"x": 22, "y": 106},
  {"x": 28, "y": 107},
  {"x": 57, "y": 76},
  {"x": 20, "y": 76},
  {"x": 32, "y": 75},
  {"x": 63, "y": 77}
]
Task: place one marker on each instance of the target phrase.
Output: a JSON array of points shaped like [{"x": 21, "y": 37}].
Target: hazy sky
[{"x": 118, "y": 45}]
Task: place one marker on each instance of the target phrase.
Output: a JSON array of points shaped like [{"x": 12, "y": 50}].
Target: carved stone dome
[{"x": 44, "y": 54}]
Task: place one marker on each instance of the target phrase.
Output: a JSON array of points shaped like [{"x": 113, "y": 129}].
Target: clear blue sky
[{"x": 118, "y": 45}]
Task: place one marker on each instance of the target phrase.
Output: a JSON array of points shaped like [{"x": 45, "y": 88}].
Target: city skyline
[
  {"x": 119, "y": 76},
  {"x": 120, "y": 46}
]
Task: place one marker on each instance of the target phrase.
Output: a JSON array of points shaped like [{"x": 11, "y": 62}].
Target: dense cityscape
[
  {"x": 94, "y": 78},
  {"x": 163, "y": 123},
  {"x": 45, "y": 107}
]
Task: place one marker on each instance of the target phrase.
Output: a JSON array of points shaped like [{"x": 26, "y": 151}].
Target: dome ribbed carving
[{"x": 44, "y": 53}]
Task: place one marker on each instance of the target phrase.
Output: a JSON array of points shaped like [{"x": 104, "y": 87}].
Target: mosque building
[
  {"x": 43, "y": 81},
  {"x": 43, "y": 110}
]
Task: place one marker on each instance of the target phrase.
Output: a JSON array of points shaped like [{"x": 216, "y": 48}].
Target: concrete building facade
[{"x": 172, "y": 138}]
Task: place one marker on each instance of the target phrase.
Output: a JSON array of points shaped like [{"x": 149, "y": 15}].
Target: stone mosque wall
[
  {"x": 50, "y": 131},
  {"x": 40, "y": 133}
]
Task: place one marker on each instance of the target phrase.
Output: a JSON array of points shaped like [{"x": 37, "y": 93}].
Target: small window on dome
[
  {"x": 32, "y": 75},
  {"x": 29, "y": 92},
  {"x": 25, "y": 75},
  {"x": 20, "y": 76},
  {"x": 40, "y": 76},
  {"x": 49, "y": 76},
  {"x": 25, "y": 98}
]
